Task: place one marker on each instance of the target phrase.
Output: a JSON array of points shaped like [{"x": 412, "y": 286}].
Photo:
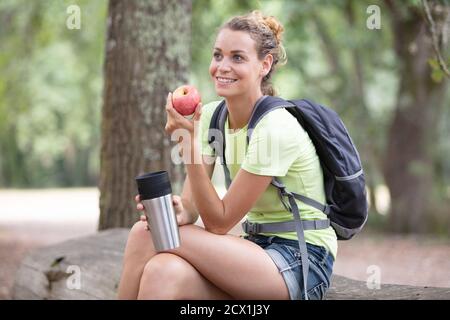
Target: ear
[{"x": 266, "y": 65}]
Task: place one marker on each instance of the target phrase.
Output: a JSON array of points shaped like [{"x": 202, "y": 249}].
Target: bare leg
[
  {"x": 140, "y": 255},
  {"x": 170, "y": 277},
  {"x": 237, "y": 266},
  {"x": 138, "y": 251}
]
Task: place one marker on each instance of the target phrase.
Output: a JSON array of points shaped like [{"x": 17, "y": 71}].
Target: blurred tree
[
  {"x": 147, "y": 55},
  {"x": 408, "y": 161},
  {"x": 50, "y": 90}
]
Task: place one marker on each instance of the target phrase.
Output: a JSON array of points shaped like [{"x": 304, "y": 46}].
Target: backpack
[{"x": 346, "y": 203}]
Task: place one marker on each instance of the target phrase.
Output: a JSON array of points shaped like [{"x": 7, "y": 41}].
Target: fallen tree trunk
[{"x": 90, "y": 267}]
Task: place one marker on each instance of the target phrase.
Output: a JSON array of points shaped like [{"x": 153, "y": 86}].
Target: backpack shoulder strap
[
  {"x": 216, "y": 137},
  {"x": 217, "y": 122},
  {"x": 266, "y": 105}
]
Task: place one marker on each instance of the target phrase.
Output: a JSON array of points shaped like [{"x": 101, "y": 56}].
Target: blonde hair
[{"x": 267, "y": 32}]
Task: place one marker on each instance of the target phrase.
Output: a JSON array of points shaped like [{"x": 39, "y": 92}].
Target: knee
[
  {"x": 139, "y": 244},
  {"x": 138, "y": 231},
  {"x": 165, "y": 276}
]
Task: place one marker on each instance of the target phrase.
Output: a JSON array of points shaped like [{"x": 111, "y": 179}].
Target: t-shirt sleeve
[
  {"x": 207, "y": 112},
  {"x": 274, "y": 145}
]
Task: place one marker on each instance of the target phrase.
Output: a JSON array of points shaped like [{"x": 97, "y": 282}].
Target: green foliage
[{"x": 50, "y": 93}]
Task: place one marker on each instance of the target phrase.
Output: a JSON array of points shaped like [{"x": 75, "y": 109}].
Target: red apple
[{"x": 185, "y": 99}]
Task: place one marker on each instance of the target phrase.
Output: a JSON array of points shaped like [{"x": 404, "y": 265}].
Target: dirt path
[{"x": 35, "y": 218}]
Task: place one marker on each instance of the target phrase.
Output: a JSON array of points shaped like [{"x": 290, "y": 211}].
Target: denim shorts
[{"x": 286, "y": 255}]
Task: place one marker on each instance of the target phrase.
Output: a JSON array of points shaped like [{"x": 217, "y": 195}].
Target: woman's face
[{"x": 235, "y": 67}]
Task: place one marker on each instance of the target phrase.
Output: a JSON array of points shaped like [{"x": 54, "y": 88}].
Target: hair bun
[
  {"x": 275, "y": 26},
  {"x": 272, "y": 23}
]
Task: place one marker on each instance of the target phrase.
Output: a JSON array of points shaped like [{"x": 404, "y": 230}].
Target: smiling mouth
[{"x": 225, "y": 80}]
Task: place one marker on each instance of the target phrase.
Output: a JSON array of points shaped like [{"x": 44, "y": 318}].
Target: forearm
[{"x": 209, "y": 205}]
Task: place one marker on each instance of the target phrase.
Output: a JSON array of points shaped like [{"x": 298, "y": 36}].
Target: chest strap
[{"x": 285, "y": 226}]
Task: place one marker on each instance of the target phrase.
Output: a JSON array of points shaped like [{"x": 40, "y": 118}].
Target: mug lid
[{"x": 153, "y": 185}]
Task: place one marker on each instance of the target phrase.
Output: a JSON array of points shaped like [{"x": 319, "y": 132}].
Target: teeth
[{"x": 225, "y": 80}]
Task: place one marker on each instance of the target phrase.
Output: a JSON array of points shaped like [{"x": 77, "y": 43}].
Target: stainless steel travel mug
[{"x": 156, "y": 195}]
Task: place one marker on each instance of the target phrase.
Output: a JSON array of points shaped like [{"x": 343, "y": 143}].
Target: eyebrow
[{"x": 232, "y": 51}]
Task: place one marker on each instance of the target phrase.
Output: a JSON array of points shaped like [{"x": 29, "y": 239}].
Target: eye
[
  {"x": 217, "y": 55},
  {"x": 238, "y": 58}
]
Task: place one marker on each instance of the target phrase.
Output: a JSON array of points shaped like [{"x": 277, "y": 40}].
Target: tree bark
[
  {"x": 408, "y": 167},
  {"x": 147, "y": 55}
]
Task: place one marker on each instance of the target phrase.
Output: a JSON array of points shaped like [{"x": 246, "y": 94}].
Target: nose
[{"x": 224, "y": 66}]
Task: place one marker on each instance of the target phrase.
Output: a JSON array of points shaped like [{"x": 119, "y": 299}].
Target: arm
[
  {"x": 220, "y": 215},
  {"x": 186, "y": 195}
]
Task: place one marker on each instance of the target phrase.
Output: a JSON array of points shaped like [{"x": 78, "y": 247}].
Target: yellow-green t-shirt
[{"x": 279, "y": 147}]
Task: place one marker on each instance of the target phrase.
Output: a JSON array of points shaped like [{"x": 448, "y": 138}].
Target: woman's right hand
[
  {"x": 183, "y": 217},
  {"x": 140, "y": 207}
]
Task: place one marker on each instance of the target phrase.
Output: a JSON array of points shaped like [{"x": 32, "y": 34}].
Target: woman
[{"x": 211, "y": 264}]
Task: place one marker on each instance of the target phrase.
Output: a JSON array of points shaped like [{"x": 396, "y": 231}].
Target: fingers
[
  {"x": 198, "y": 112},
  {"x": 179, "y": 210},
  {"x": 176, "y": 200},
  {"x": 177, "y": 204},
  {"x": 139, "y": 205},
  {"x": 174, "y": 119},
  {"x": 169, "y": 107},
  {"x": 143, "y": 218},
  {"x": 169, "y": 104}
]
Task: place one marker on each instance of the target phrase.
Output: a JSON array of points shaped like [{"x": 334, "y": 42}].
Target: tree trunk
[
  {"x": 408, "y": 167},
  {"x": 89, "y": 268},
  {"x": 147, "y": 55}
]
